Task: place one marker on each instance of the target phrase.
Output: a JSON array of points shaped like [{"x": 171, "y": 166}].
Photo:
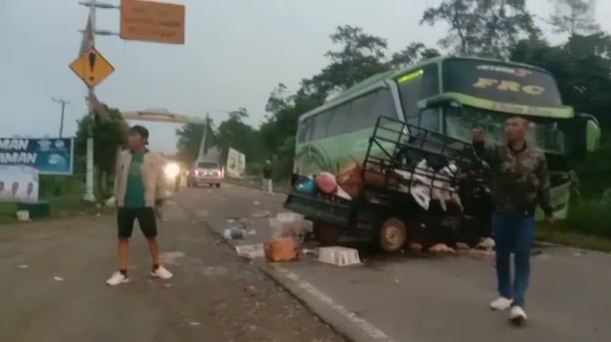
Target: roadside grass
[
  {"x": 563, "y": 235},
  {"x": 256, "y": 183}
]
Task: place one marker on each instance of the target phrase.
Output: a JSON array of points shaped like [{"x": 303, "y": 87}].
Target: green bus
[{"x": 452, "y": 96}]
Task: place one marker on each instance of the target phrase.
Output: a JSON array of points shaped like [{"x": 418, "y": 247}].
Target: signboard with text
[
  {"x": 236, "y": 163},
  {"x": 48, "y": 156},
  {"x": 152, "y": 21}
]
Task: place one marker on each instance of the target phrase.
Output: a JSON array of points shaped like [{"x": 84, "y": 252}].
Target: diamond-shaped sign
[{"x": 92, "y": 68}]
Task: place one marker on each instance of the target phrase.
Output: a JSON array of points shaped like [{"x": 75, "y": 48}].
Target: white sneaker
[
  {"x": 117, "y": 278},
  {"x": 517, "y": 315},
  {"x": 161, "y": 273},
  {"x": 500, "y": 304}
]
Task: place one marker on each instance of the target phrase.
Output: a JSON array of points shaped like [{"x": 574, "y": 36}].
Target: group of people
[{"x": 520, "y": 182}]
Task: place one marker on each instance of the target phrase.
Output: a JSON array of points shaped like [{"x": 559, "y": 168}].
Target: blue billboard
[{"x": 49, "y": 156}]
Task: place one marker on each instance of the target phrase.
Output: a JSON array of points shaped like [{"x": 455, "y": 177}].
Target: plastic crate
[{"x": 339, "y": 256}]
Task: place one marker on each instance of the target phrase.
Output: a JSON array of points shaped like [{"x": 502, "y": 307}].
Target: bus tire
[
  {"x": 392, "y": 235},
  {"x": 327, "y": 234}
]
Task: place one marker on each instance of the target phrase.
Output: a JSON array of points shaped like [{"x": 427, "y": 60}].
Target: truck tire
[
  {"x": 327, "y": 234},
  {"x": 392, "y": 235}
]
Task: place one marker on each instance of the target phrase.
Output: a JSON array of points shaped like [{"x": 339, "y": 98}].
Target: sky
[{"x": 236, "y": 52}]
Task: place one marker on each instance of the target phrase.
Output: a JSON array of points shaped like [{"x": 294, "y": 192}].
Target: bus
[{"x": 452, "y": 96}]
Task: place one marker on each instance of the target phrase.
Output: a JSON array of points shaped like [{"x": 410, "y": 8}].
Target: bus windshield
[{"x": 460, "y": 122}]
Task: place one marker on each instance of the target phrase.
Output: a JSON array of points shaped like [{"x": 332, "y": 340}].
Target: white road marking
[{"x": 367, "y": 327}]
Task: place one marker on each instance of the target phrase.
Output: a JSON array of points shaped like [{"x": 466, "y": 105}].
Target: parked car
[{"x": 205, "y": 173}]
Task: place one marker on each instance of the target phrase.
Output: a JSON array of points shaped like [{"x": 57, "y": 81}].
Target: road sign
[
  {"x": 92, "y": 68},
  {"x": 152, "y": 21}
]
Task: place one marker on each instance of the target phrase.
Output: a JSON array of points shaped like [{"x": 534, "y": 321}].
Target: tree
[
  {"x": 109, "y": 133},
  {"x": 573, "y": 17},
  {"x": 190, "y": 138},
  {"x": 487, "y": 28},
  {"x": 582, "y": 67},
  {"x": 235, "y": 133},
  {"x": 413, "y": 53}
]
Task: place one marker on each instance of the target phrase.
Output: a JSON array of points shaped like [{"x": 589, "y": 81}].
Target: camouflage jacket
[{"x": 520, "y": 179}]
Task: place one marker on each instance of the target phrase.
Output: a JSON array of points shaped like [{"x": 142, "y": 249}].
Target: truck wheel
[
  {"x": 327, "y": 234},
  {"x": 393, "y": 235}
]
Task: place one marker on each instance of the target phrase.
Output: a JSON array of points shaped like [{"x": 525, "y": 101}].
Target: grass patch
[{"x": 562, "y": 235}]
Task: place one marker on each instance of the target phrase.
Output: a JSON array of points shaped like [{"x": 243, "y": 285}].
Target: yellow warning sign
[{"x": 92, "y": 68}]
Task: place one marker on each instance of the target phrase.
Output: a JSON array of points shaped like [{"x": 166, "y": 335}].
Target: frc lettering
[{"x": 502, "y": 85}]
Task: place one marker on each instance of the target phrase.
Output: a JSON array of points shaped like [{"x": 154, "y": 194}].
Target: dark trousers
[{"x": 513, "y": 233}]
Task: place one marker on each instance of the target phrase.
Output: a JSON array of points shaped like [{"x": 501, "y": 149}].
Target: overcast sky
[{"x": 236, "y": 52}]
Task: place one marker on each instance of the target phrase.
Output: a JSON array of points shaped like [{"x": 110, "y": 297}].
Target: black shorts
[{"x": 146, "y": 220}]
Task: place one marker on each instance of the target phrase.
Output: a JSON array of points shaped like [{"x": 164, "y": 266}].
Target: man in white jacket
[{"x": 138, "y": 188}]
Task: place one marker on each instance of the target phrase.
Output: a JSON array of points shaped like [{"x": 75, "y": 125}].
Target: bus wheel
[
  {"x": 327, "y": 234},
  {"x": 393, "y": 235}
]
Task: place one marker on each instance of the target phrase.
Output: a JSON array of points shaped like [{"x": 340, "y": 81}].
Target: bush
[{"x": 592, "y": 217}]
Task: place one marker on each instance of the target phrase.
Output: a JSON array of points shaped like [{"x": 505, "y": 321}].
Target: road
[
  {"x": 218, "y": 297},
  {"x": 52, "y": 288},
  {"x": 410, "y": 298}
]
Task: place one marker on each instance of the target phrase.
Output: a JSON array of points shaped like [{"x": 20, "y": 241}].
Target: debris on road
[
  {"x": 288, "y": 225},
  {"x": 171, "y": 258},
  {"x": 307, "y": 251},
  {"x": 577, "y": 254},
  {"x": 251, "y": 290},
  {"x": 339, "y": 256},
  {"x": 441, "y": 248},
  {"x": 487, "y": 243},
  {"x": 256, "y": 203},
  {"x": 234, "y": 233},
  {"x": 23, "y": 215},
  {"x": 23, "y": 267},
  {"x": 261, "y": 214},
  {"x": 251, "y": 232},
  {"x": 281, "y": 249},
  {"x": 195, "y": 324},
  {"x": 251, "y": 251},
  {"x": 58, "y": 278},
  {"x": 201, "y": 213},
  {"x": 461, "y": 246},
  {"x": 415, "y": 247}
]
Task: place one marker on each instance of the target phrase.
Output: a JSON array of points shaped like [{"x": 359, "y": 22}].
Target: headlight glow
[{"x": 171, "y": 170}]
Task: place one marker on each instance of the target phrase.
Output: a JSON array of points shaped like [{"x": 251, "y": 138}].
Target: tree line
[{"x": 502, "y": 29}]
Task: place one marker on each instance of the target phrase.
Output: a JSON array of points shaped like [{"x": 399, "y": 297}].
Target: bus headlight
[{"x": 171, "y": 170}]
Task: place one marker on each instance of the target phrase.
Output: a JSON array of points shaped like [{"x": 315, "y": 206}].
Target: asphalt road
[
  {"x": 217, "y": 297},
  {"x": 52, "y": 287},
  {"x": 410, "y": 298}
]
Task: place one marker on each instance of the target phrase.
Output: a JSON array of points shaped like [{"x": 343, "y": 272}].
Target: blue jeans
[{"x": 513, "y": 233}]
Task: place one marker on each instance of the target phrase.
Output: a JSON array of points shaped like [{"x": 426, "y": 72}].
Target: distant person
[
  {"x": 137, "y": 188},
  {"x": 30, "y": 192},
  {"x": 520, "y": 182},
  {"x": 15, "y": 189},
  {"x": 267, "y": 177},
  {"x": 1, "y": 189}
]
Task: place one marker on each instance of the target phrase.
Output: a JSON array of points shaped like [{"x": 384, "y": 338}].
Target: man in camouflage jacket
[{"x": 520, "y": 182}]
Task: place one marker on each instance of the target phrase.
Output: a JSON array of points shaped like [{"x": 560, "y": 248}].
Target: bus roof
[{"x": 392, "y": 74}]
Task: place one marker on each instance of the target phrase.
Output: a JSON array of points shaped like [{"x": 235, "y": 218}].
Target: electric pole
[
  {"x": 61, "y": 121},
  {"x": 202, "y": 145}
]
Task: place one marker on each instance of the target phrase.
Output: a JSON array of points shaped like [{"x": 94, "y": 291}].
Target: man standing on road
[
  {"x": 138, "y": 182},
  {"x": 520, "y": 182},
  {"x": 267, "y": 177}
]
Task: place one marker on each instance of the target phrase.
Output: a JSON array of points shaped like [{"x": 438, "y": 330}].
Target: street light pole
[{"x": 61, "y": 122}]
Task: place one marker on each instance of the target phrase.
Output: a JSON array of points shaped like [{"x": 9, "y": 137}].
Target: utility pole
[
  {"x": 89, "y": 35},
  {"x": 61, "y": 121},
  {"x": 202, "y": 145}
]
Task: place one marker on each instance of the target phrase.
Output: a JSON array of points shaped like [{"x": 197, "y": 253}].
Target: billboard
[
  {"x": 18, "y": 183},
  {"x": 236, "y": 163},
  {"x": 48, "y": 156}
]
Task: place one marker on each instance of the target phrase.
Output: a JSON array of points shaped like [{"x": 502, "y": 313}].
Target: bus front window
[{"x": 460, "y": 122}]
